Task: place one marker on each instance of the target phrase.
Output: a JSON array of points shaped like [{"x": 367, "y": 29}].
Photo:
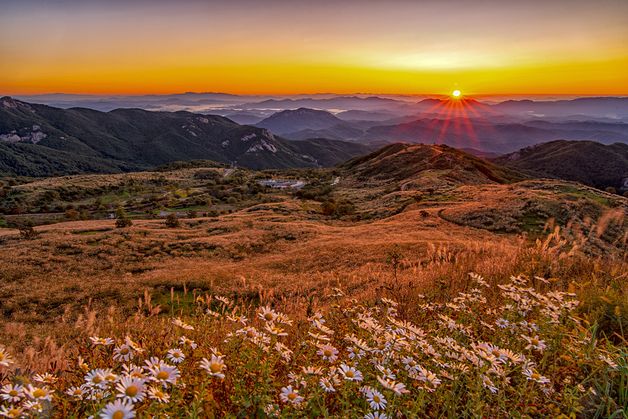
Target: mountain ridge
[{"x": 119, "y": 140}]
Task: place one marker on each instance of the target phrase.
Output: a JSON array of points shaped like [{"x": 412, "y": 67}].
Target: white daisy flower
[
  {"x": 238, "y": 319},
  {"x": 123, "y": 353},
  {"x": 214, "y": 367},
  {"x": 327, "y": 385},
  {"x": 5, "y": 359},
  {"x": 162, "y": 372},
  {"x": 319, "y": 336},
  {"x": 397, "y": 388},
  {"x": 267, "y": 314},
  {"x": 284, "y": 351},
  {"x": 502, "y": 323},
  {"x": 376, "y": 399},
  {"x": 273, "y": 329},
  {"x": 534, "y": 343},
  {"x": 533, "y": 375},
  {"x": 119, "y": 409},
  {"x": 45, "y": 378},
  {"x": 175, "y": 355},
  {"x": 223, "y": 300},
  {"x": 110, "y": 376},
  {"x": 158, "y": 394},
  {"x": 134, "y": 371},
  {"x": 375, "y": 415},
  {"x": 350, "y": 373},
  {"x": 133, "y": 345},
  {"x": 187, "y": 342},
  {"x": 12, "y": 393},
  {"x": 96, "y": 394},
  {"x": 96, "y": 341},
  {"x": 33, "y": 406},
  {"x": 328, "y": 352},
  {"x": 182, "y": 324},
  {"x": 39, "y": 393},
  {"x": 290, "y": 395},
  {"x": 131, "y": 389},
  {"x": 77, "y": 392},
  {"x": 96, "y": 378},
  {"x": 11, "y": 411}
]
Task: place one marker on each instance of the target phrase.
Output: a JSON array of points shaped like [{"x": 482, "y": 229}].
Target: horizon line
[{"x": 313, "y": 93}]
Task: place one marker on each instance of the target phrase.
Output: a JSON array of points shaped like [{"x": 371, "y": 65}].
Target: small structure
[{"x": 282, "y": 183}]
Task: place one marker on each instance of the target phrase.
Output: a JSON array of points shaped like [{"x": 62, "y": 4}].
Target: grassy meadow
[{"x": 413, "y": 303}]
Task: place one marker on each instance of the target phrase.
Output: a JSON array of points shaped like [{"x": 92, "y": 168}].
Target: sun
[{"x": 456, "y": 94}]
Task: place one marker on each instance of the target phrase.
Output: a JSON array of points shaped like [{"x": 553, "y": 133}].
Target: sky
[{"x": 296, "y": 46}]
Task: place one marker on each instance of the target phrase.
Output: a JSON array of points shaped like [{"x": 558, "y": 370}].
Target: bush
[
  {"x": 27, "y": 232},
  {"x": 337, "y": 209},
  {"x": 122, "y": 220},
  {"x": 72, "y": 214},
  {"x": 328, "y": 207},
  {"x": 172, "y": 221}
]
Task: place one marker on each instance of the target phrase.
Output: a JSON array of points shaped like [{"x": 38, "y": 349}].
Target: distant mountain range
[
  {"x": 348, "y": 107},
  {"x": 496, "y": 137},
  {"x": 486, "y": 135},
  {"x": 38, "y": 140},
  {"x": 587, "y": 162}
]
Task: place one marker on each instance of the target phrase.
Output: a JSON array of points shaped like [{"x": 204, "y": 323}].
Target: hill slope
[
  {"x": 407, "y": 162},
  {"x": 588, "y": 162},
  {"x": 39, "y": 140},
  {"x": 299, "y": 119}
]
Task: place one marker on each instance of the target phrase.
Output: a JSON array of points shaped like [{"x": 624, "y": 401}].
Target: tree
[
  {"x": 27, "y": 231},
  {"x": 122, "y": 220},
  {"x": 172, "y": 221}
]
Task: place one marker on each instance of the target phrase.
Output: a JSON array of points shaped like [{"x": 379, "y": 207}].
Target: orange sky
[{"x": 282, "y": 47}]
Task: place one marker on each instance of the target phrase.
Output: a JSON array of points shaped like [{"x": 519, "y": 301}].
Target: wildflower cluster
[{"x": 528, "y": 354}]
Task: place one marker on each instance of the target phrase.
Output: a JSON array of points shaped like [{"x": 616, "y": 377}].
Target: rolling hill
[
  {"x": 300, "y": 119},
  {"x": 587, "y": 162},
  {"x": 38, "y": 140},
  {"x": 406, "y": 162}
]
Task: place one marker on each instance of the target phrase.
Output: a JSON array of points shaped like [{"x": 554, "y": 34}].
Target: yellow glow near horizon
[
  {"x": 456, "y": 94},
  {"x": 246, "y": 47}
]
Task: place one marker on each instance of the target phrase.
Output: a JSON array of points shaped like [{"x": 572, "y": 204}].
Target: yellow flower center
[
  {"x": 78, "y": 392},
  {"x": 268, "y": 316},
  {"x": 162, "y": 375},
  {"x": 350, "y": 374},
  {"x": 97, "y": 379},
  {"x": 292, "y": 396},
  {"x": 39, "y": 393},
  {"x": 1, "y": 356},
  {"x": 124, "y": 351},
  {"x": 131, "y": 391},
  {"x": 215, "y": 367},
  {"x": 327, "y": 352},
  {"x": 534, "y": 341},
  {"x": 12, "y": 393},
  {"x": 118, "y": 414},
  {"x": 14, "y": 413},
  {"x": 535, "y": 376},
  {"x": 376, "y": 399},
  {"x": 496, "y": 353}
]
